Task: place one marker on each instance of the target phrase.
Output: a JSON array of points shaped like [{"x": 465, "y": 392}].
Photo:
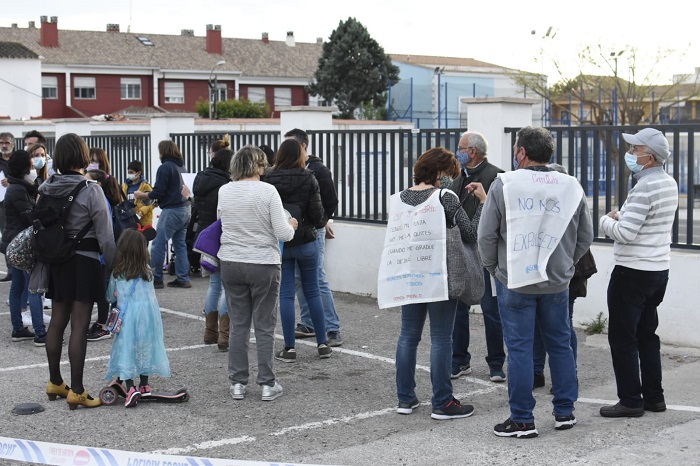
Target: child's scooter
[{"x": 115, "y": 389}]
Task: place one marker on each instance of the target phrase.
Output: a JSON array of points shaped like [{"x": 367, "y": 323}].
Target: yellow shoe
[
  {"x": 83, "y": 399},
  {"x": 54, "y": 391}
]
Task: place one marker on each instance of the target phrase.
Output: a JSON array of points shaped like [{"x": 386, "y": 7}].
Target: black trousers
[{"x": 633, "y": 298}]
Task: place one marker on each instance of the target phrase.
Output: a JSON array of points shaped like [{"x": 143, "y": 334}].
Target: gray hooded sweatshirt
[{"x": 89, "y": 204}]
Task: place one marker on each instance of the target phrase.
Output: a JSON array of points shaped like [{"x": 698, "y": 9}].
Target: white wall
[
  {"x": 21, "y": 94},
  {"x": 352, "y": 264}
]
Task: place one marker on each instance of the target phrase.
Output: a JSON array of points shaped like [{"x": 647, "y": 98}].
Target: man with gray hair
[
  {"x": 7, "y": 146},
  {"x": 642, "y": 251},
  {"x": 471, "y": 153},
  {"x": 534, "y": 227}
]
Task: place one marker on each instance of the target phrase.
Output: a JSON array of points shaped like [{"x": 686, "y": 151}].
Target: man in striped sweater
[{"x": 642, "y": 234}]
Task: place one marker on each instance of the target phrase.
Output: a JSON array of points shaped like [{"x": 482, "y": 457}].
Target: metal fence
[
  {"x": 123, "y": 149},
  {"x": 369, "y": 166},
  {"x": 195, "y": 146},
  {"x": 595, "y": 155}
]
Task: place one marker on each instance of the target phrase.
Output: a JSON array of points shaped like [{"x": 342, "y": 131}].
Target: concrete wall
[
  {"x": 20, "y": 88},
  {"x": 352, "y": 264}
]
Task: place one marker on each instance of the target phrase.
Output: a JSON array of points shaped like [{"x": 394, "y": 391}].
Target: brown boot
[
  {"x": 224, "y": 324},
  {"x": 211, "y": 329}
]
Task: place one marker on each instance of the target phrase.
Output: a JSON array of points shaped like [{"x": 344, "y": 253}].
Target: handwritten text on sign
[{"x": 413, "y": 267}]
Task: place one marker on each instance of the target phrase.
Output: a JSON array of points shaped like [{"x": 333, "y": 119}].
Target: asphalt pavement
[{"x": 342, "y": 410}]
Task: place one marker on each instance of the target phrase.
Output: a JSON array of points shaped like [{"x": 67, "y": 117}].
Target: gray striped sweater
[{"x": 643, "y": 232}]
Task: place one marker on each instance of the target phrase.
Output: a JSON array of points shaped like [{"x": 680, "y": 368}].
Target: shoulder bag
[{"x": 465, "y": 273}]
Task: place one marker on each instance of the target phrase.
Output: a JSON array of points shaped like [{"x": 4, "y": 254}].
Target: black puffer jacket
[
  {"x": 329, "y": 197},
  {"x": 298, "y": 186},
  {"x": 206, "y": 194},
  {"x": 20, "y": 199}
]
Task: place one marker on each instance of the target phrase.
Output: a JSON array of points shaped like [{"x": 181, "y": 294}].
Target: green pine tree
[{"x": 353, "y": 69}]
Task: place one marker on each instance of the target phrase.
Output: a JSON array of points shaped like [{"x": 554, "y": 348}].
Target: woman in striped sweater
[{"x": 252, "y": 222}]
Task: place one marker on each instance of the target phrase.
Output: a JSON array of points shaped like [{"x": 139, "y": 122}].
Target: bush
[{"x": 234, "y": 108}]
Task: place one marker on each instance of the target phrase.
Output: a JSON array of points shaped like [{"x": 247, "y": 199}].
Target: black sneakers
[
  {"x": 24, "y": 334},
  {"x": 655, "y": 407},
  {"x": 453, "y": 410},
  {"x": 513, "y": 429},
  {"x": 407, "y": 408},
  {"x": 158, "y": 284},
  {"x": 179, "y": 284},
  {"x": 97, "y": 333},
  {"x": 564, "y": 422},
  {"x": 459, "y": 371},
  {"x": 538, "y": 381},
  {"x": 618, "y": 410}
]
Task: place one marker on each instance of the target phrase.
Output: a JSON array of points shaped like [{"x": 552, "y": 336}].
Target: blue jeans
[
  {"x": 539, "y": 352},
  {"x": 633, "y": 298},
  {"x": 306, "y": 257},
  {"x": 216, "y": 296},
  {"x": 495, "y": 354},
  {"x": 19, "y": 294},
  {"x": 520, "y": 313},
  {"x": 172, "y": 224},
  {"x": 332, "y": 320},
  {"x": 442, "y": 316}
]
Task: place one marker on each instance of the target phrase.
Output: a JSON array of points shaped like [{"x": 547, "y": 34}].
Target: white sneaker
[
  {"x": 27, "y": 318},
  {"x": 47, "y": 303},
  {"x": 270, "y": 393}
]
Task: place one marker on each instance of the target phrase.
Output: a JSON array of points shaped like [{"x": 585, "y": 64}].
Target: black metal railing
[
  {"x": 595, "y": 155},
  {"x": 369, "y": 166},
  {"x": 195, "y": 147},
  {"x": 122, "y": 149}
]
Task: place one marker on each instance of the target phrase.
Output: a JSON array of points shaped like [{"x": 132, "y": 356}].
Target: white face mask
[
  {"x": 93, "y": 166},
  {"x": 39, "y": 162},
  {"x": 31, "y": 176},
  {"x": 131, "y": 176}
]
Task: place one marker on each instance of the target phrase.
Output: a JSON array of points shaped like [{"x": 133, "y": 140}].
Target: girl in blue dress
[{"x": 139, "y": 348}]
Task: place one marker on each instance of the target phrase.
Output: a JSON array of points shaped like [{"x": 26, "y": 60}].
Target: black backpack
[
  {"x": 50, "y": 241},
  {"x": 123, "y": 218}
]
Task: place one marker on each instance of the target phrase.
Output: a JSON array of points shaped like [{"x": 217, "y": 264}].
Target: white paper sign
[
  {"x": 413, "y": 266},
  {"x": 539, "y": 206},
  {"x": 3, "y": 189}
]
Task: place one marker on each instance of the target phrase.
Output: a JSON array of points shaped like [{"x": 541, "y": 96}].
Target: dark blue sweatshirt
[{"x": 168, "y": 186}]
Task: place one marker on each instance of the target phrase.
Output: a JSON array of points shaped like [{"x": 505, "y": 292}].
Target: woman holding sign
[{"x": 434, "y": 169}]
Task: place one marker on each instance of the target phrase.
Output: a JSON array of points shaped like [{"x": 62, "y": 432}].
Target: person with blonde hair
[
  {"x": 253, "y": 222},
  {"x": 174, "y": 217}
]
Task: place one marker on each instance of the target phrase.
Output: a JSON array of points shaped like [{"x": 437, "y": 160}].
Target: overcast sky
[{"x": 495, "y": 31}]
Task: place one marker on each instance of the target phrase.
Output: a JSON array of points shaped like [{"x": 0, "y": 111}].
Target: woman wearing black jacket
[
  {"x": 301, "y": 196},
  {"x": 206, "y": 197},
  {"x": 20, "y": 199}
]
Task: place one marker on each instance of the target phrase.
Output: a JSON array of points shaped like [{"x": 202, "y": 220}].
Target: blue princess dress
[{"x": 139, "y": 349}]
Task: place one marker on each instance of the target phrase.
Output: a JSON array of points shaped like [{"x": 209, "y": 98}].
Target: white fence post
[{"x": 489, "y": 115}]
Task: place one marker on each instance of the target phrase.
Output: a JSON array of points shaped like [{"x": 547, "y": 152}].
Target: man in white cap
[{"x": 642, "y": 234}]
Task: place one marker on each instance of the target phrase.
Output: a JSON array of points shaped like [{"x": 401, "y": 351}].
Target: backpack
[
  {"x": 50, "y": 242},
  {"x": 123, "y": 217}
]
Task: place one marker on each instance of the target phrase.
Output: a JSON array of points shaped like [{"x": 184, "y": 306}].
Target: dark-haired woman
[
  {"x": 432, "y": 166},
  {"x": 174, "y": 217},
  {"x": 300, "y": 194},
  {"x": 20, "y": 199},
  {"x": 114, "y": 197},
  {"x": 206, "y": 197},
  {"x": 76, "y": 284}
]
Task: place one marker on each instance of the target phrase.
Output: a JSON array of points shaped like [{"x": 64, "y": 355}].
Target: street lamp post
[
  {"x": 615, "y": 109},
  {"x": 214, "y": 86}
]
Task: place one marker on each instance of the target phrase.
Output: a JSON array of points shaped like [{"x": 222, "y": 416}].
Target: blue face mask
[
  {"x": 516, "y": 165},
  {"x": 463, "y": 158},
  {"x": 631, "y": 161},
  {"x": 39, "y": 162}
]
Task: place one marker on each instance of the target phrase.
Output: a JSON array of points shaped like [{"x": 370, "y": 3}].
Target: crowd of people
[
  {"x": 534, "y": 231},
  {"x": 272, "y": 210},
  {"x": 261, "y": 260}
]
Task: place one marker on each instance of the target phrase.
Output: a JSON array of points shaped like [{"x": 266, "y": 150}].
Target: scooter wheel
[
  {"x": 108, "y": 396},
  {"x": 186, "y": 397}
]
